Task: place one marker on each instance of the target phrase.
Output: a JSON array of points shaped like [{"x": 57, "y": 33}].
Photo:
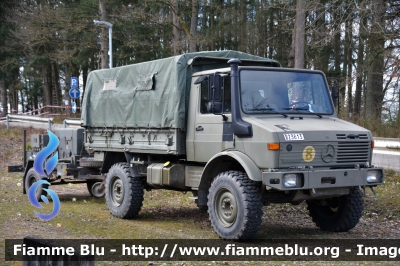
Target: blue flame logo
[
  {"x": 40, "y": 159},
  {"x": 34, "y": 201},
  {"x": 49, "y": 165}
]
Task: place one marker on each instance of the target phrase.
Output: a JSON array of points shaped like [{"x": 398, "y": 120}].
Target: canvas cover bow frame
[{"x": 152, "y": 94}]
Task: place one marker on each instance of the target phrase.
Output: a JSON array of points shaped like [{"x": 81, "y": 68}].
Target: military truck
[{"x": 236, "y": 130}]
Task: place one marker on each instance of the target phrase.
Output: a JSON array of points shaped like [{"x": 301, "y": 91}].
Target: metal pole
[
  {"x": 24, "y": 149},
  {"x": 49, "y": 124},
  {"x": 110, "y": 45}
]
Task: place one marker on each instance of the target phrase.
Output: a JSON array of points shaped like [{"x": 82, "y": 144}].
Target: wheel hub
[
  {"x": 117, "y": 192},
  {"x": 226, "y": 208}
]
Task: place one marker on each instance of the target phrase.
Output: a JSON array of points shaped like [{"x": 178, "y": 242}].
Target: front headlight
[
  {"x": 291, "y": 180},
  {"x": 373, "y": 176}
]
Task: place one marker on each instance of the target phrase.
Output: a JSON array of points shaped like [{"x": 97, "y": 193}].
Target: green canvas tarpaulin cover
[{"x": 151, "y": 94}]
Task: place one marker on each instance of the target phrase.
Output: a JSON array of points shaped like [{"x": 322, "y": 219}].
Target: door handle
[{"x": 199, "y": 128}]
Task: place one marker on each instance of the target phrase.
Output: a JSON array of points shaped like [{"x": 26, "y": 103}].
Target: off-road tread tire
[
  {"x": 133, "y": 192},
  {"x": 347, "y": 216},
  {"x": 249, "y": 202},
  {"x": 90, "y": 162},
  {"x": 32, "y": 173}
]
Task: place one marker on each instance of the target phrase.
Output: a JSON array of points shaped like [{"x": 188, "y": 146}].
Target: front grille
[
  {"x": 344, "y": 136},
  {"x": 353, "y": 152}
]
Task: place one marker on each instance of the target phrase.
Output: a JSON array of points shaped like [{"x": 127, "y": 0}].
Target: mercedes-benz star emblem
[{"x": 328, "y": 153}]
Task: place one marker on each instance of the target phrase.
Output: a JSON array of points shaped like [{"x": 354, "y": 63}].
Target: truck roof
[{"x": 151, "y": 94}]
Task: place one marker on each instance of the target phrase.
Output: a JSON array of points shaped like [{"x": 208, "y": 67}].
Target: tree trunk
[
  {"x": 13, "y": 97},
  {"x": 270, "y": 30},
  {"x": 176, "y": 30},
  {"x": 104, "y": 35},
  {"x": 46, "y": 83},
  {"x": 360, "y": 61},
  {"x": 319, "y": 35},
  {"x": 376, "y": 42},
  {"x": 350, "y": 68},
  {"x": 67, "y": 87},
  {"x": 56, "y": 86},
  {"x": 292, "y": 52},
  {"x": 300, "y": 34},
  {"x": 346, "y": 62},
  {"x": 193, "y": 25},
  {"x": 3, "y": 98},
  {"x": 242, "y": 25}
]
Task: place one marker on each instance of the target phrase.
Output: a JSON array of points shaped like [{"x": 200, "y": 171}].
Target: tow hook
[{"x": 368, "y": 195}]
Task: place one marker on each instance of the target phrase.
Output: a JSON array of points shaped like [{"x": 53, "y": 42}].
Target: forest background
[{"x": 43, "y": 43}]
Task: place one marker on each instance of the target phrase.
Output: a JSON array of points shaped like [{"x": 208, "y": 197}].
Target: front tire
[
  {"x": 339, "y": 214},
  {"x": 124, "y": 192},
  {"x": 31, "y": 177},
  {"x": 234, "y": 206}
]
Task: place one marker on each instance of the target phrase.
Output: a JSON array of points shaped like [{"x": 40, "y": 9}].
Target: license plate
[{"x": 294, "y": 136}]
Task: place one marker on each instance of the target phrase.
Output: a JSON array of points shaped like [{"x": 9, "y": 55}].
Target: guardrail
[
  {"x": 28, "y": 118},
  {"x": 72, "y": 122},
  {"x": 38, "y": 120},
  {"x": 387, "y": 143}
]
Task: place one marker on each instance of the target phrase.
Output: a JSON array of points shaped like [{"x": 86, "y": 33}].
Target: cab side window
[
  {"x": 204, "y": 100},
  {"x": 227, "y": 94},
  {"x": 204, "y": 96}
]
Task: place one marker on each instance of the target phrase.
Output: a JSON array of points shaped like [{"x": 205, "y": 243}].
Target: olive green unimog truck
[{"x": 236, "y": 130}]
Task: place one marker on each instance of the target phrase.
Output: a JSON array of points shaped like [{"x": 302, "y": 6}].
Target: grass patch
[{"x": 388, "y": 195}]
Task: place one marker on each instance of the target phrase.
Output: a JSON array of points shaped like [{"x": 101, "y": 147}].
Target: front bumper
[{"x": 316, "y": 179}]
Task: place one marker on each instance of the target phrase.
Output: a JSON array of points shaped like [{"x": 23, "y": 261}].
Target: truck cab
[{"x": 279, "y": 128}]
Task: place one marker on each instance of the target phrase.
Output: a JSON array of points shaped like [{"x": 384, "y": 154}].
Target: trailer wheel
[
  {"x": 234, "y": 206},
  {"x": 124, "y": 193},
  {"x": 89, "y": 162},
  {"x": 339, "y": 214},
  {"x": 96, "y": 189},
  {"x": 31, "y": 177}
]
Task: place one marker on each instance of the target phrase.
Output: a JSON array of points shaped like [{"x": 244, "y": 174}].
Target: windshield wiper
[
  {"x": 268, "y": 109},
  {"x": 320, "y": 116},
  {"x": 297, "y": 108},
  {"x": 303, "y": 109}
]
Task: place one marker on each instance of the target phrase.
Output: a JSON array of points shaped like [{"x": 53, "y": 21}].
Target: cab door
[{"x": 213, "y": 133}]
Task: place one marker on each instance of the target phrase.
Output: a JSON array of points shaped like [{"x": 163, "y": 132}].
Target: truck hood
[
  {"x": 313, "y": 128},
  {"x": 314, "y": 141}
]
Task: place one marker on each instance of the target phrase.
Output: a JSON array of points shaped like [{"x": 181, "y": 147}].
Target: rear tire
[
  {"x": 31, "y": 177},
  {"x": 124, "y": 193},
  {"x": 339, "y": 214},
  {"x": 235, "y": 206}
]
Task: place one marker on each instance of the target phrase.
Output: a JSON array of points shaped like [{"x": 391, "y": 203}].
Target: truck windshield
[{"x": 278, "y": 91}]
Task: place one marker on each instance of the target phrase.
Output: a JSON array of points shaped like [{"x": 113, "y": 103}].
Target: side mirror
[
  {"x": 215, "y": 87},
  {"x": 214, "y": 107},
  {"x": 334, "y": 92}
]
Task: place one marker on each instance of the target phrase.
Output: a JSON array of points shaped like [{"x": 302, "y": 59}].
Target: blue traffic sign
[
  {"x": 74, "y": 107},
  {"x": 74, "y": 83},
  {"x": 74, "y": 93}
]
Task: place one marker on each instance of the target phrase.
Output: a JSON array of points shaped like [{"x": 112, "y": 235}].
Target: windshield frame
[{"x": 289, "y": 111}]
